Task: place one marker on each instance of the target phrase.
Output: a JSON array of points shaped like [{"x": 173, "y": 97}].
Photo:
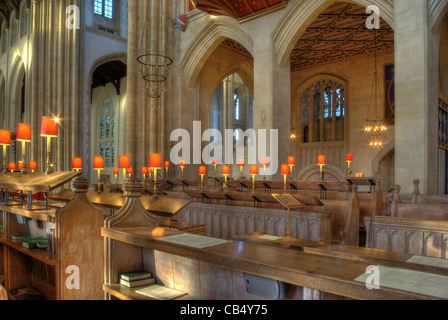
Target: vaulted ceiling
[
  {"x": 6, "y": 8},
  {"x": 338, "y": 34},
  {"x": 242, "y": 10}
]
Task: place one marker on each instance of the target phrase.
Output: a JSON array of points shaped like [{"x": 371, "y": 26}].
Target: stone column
[
  {"x": 416, "y": 128},
  {"x": 132, "y": 81},
  {"x": 272, "y": 100}
]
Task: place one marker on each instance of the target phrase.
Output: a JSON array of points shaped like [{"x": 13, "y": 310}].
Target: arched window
[
  {"x": 106, "y": 132},
  {"x": 323, "y": 112},
  {"x": 236, "y": 105},
  {"x": 104, "y": 8}
]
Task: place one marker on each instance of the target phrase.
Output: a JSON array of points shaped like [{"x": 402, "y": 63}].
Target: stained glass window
[
  {"x": 236, "y": 101},
  {"x": 107, "y": 132},
  {"x": 104, "y": 8},
  {"x": 323, "y": 111}
]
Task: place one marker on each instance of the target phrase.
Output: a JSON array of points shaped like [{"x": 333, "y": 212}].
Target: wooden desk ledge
[
  {"x": 326, "y": 273},
  {"x": 124, "y": 293}
]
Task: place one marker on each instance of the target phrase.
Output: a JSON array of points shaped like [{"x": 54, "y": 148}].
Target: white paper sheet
[
  {"x": 412, "y": 281},
  {"x": 194, "y": 240},
  {"x": 428, "y": 261},
  {"x": 268, "y": 237}
]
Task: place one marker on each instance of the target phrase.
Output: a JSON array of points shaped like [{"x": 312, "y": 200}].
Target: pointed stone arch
[{"x": 205, "y": 43}]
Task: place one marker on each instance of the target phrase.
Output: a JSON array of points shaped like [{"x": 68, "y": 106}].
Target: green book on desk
[
  {"x": 136, "y": 275},
  {"x": 137, "y": 283}
]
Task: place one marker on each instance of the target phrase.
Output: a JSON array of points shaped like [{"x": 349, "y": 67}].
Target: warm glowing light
[
  {"x": 23, "y": 132},
  {"x": 98, "y": 163},
  {"x": 349, "y": 158},
  {"x": 202, "y": 170},
  {"x": 284, "y": 169},
  {"x": 215, "y": 162},
  {"x": 321, "y": 160},
  {"x": 130, "y": 170},
  {"x": 241, "y": 162},
  {"x": 32, "y": 165},
  {"x": 20, "y": 165},
  {"x": 144, "y": 170},
  {"x": 291, "y": 161},
  {"x": 155, "y": 160},
  {"x": 5, "y": 137},
  {"x": 225, "y": 170},
  {"x": 253, "y": 169},
  {"x": 49, "y": 127},
  {"x": 77, "y": 164},
  {"x": 167, "y": 164},
  {"x": 182, "y": 163},
  {"x": 116, "y": 170},
  {"x": 124, "y": 162},
  {"x": 12, "y": 166},
  {"x": 265, "y": 162}
]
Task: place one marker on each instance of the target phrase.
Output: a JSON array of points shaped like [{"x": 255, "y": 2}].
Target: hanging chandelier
[
  {"x": 155, "y": 70},
  {"x": 375, "y": 127}
]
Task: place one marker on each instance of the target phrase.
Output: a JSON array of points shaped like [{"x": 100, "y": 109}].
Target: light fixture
[
  {"x": 293, "y": 135},
  {"x": 98, "y": 165},
  {"x": 348, "y": 159},
  {"x": 12, "y": 166},
  {"x": 130, "y": 171},
  {"x": 77, "y": 164},
  {"x": 241, "y": 165},
  {"x": 124, "y": 163},
  {"x": 291, "y": 164},
  {"x": 321, "y": 161},
  {"x": 24, "y": 136},
  {"x": 264, "y": 164},
  {"x": 116, "y": 173},
  {"x": 144, "y": 173},
  {"x": 253, "y": 172},
  {"x": 32, "y": 165},
  {"x": 202, "y": 173},
  {"x": 284, "y": 170},
  {"x": 226, "y": 173},
  {"x": 182, "y": 166},
  {"x": 375, "y": 127},
  {"x": 20, "y": 165},
  {"x": 215, "y": 164},
  {"x": 155, "y": 162},
  {"x": 167, "y": 167},
  {"x": 5, "y": 141},
  {"x": 48, "y": 130}
]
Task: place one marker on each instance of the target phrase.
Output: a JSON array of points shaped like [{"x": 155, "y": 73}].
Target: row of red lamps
[{"x": 49, "y": 129}]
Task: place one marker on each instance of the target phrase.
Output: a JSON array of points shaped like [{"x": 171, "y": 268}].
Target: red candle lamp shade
[
  {"x": 155, "y": 160},
  {"x": 215, "y": 162},
  {"x": 291, "y": 161},
  {"x": 321, "y": 160},
  {"x": 150, "y": 170},
  {"x": 182, "y": 164},
  {"x": 284, "y": 169},
  {"x": 12, "y": 166},
  {"x": 265, "y": 162},
  {"x": 32, "y": 165},
  {"x": 202, "y": 170},
  {"x": 253, "y": 169},
  {"x": 130, "y": 170},
  {"x": 49, "y": 127},
  {"x": 226, "y": 170},
  {"x": 23, "y": 132},
  {"x": 167, "y": 164},
  {"x": 124, "y": 162},
  {"x": 144, "y": 170},
  {"x": 5, "y": 137},
  {"x": 241, "y": 162},
  {"x": 20, "y": 165},
  {"x": 77, "y": 164},
  {"x": 349, "y": 158},
  {"x": 116, "y": 170},
  {"x": 98, "y": 163}
]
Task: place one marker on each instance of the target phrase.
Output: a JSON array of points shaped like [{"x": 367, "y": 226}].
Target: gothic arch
[
  {"x": 205, "y": 43},
  {"x": 436, "y": 12},
  {"x": 300, "y": 14},
  {"x": 306, "y": 173},
  {"x": 14, "y": 87}
]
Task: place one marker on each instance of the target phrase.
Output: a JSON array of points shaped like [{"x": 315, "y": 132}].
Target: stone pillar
[
  {"x": 272, "y": 100},
  {"x": 132, "y": 81},
  {"x": 416, "y": 64}
]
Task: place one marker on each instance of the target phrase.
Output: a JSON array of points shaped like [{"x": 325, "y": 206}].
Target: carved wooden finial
[
  {"x": 80, "y": 185},
  {"x": 132, "y": 187}
]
